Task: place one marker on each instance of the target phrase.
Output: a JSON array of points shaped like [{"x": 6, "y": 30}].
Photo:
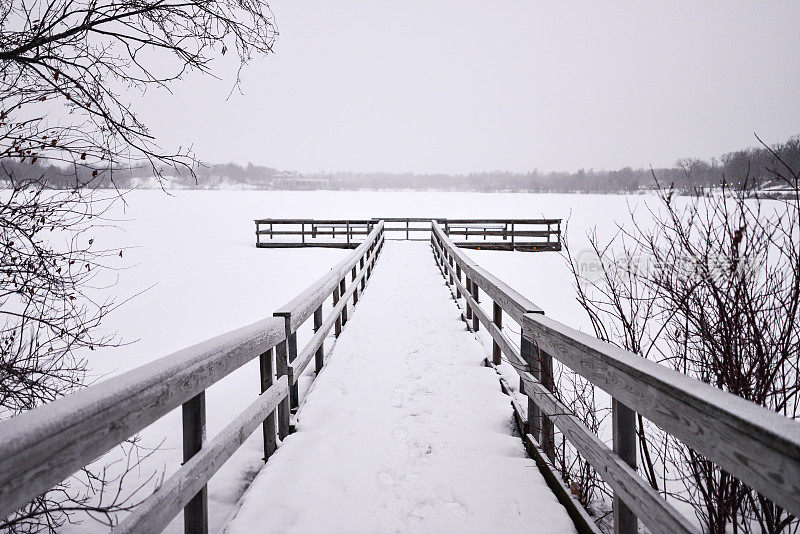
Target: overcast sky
[{"x": 460, "y": 86}]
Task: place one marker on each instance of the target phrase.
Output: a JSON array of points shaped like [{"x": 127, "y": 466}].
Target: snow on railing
[
  {"x": 757, "y": 445},
  {"x": 42, "y": 447}
]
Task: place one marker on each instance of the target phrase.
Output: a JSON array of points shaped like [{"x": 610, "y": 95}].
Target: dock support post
[{"x": 195, "y": 514}]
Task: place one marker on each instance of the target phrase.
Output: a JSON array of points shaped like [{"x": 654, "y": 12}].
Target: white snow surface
[{"x": 404, "y": 429}]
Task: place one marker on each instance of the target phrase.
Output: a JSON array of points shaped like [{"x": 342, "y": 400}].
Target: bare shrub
[{"x": 712, "y": 289}]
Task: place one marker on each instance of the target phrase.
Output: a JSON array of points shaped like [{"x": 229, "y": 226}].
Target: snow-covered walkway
[{"x": 404, "y": 430}]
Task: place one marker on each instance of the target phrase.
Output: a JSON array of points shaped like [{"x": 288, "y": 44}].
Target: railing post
[
  {"x": 407, "y": 230},
  {"x": 624, "y": 438},
  {"x": 258, "y": 236},
  {"x": 319, "y": 356},
  {"x": 294, "y": 393},
  {"x": 268, "y": 426},
  {"x": 450, "y": 273},
  {"x": 458, "y": 275},
  {"x": 513, "y": 230},
  {"x": 337, "y": 328},
  {"x": 342, "y": 289},
  {"x": 303, "y": 233},
  {"x": 363, "y": 279},
  {"x": 195, "y": 514},
  {"x": 355, "y": 291},
  {"x": 527, "y": 354},
  {"x": 282, "y": 369},
  {"x": 497, "y": 317},
  {"x": 469, "y": 291},
  {"x": 348, "y": 233},
  {"x": 476, "y": 323},
  {"x": 548, "y": 442}
]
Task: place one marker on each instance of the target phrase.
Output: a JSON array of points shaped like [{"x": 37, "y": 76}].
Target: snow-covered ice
[{"x": 404, "y": 430}]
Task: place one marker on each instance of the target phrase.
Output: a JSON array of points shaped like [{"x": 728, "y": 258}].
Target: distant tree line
[{"x": 742, "y": 169}]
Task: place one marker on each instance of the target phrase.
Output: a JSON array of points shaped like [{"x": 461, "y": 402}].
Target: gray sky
[{"x": 455, "y": 86}]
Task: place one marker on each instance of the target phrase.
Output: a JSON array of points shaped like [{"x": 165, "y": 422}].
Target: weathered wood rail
[
  {"x": 760, "y": 447},
  {"x": 526, "y": 235},
  {"x": 42, "y": 447}
]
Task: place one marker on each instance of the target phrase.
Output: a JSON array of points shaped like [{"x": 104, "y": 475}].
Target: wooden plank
[
  {"x": 155, "y": 513},
  {"x": 760, "y": 447},
  {"x": 655, "y": 512},
  {"x": 42, "y": 447}
]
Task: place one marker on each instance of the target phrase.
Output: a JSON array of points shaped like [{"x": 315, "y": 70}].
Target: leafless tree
[
  {"x": 710, "y": 286},
  {"x": 68, "y": 71}
]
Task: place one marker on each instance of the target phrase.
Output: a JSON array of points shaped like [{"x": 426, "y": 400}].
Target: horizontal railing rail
[
  {"x": 759, "y": 446},
  {"x": 41, "y": 448},
  {"x": 491, "y": 234}
]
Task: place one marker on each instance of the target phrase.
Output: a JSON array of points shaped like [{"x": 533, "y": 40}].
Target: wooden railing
[
  {"x": 42, "y": 447},
  {"x": 527, "y": 235},
  {"x": 759, "y": 446},
  {"x": 293, "y": 233}
]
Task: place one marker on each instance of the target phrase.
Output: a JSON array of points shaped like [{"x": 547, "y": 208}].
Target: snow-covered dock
[
  {"x": 402, "y": 428},
  {"x": 405, "y": 430}
]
